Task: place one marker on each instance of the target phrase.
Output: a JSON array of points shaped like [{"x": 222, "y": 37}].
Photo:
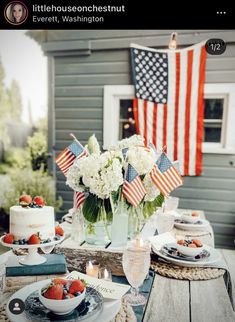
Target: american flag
[
  {"x": 165, "y": 176},
  {"x": 78, "y": 199},
  {"x": 168, "y": 104},
  {"x": 133, "y": 188},
  {"x": 66, "y": 158}
]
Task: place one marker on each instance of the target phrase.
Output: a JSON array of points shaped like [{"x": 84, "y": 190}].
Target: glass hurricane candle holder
[
  {"x": 92, "y": 268},
  {"x": 105, "y": 274}
]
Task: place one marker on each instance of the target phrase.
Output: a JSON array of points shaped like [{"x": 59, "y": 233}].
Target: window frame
[{"x": 111, "y": 113}]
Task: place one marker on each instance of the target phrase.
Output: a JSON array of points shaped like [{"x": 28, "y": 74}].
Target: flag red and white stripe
[
  {"x": 165, "y": 176},
  {"x": 178, "y": 123},
  {"x": 67, "y": 157},
  {"x": 133, "y": 188},
  {"x": 78, "y": 199}
]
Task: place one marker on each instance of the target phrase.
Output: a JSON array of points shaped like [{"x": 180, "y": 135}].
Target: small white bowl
[
  {"x": 189, "y": 251},
  {"x": 61, "y": 307},
  {"x": 187, "y": 216}
]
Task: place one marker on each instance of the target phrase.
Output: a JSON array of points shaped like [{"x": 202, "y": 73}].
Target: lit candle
[
  {"x": 105, "y": 274},
  {"x": 92, "y": 268}
]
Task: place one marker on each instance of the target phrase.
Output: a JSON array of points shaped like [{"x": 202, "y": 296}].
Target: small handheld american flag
[
  {"x": 133, "y": 188},
  {"x": 165, "y": 176},
  {"x": 78, "y": 199},
  {"x": 66, "y": 158}
]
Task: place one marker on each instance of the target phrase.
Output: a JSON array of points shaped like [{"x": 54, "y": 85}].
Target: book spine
[{"x": 46, "y": 270}]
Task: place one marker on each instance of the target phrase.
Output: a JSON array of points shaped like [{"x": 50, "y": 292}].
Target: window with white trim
[{"x": 219, "y": 116}]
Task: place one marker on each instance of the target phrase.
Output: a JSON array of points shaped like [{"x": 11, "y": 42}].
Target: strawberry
[
  {"x": 60, "y": 281},
  {"x": 34, "y": 239},
  {"x": 197, "y": 242},
  {"x": 180, "y": 242},
  {"x": 38, "y": 200},
  {"x": 54, "y": 292},
  {"x": 195, "y": 214},
  {"x": 25, "y": 200},
  {"x": 76, "y": 286},
  {"x": 59, "y": 231},
  {"x": 8, "y": 238}
]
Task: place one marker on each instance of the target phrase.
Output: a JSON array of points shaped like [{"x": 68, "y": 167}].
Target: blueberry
[
  {"x": 77, "y": 293},
  {"x": 48, "y": 240},
  {"x": 66, "y": 297},
  {"x": 65, "y": 292},
  {"x": 56, "y": 238},
  {"x": 17, "y": 242},
  {"x": 24, "y": 241},
  {"x": 21, "y": 242}
]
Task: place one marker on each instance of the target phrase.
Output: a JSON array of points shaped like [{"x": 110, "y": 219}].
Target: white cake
[{"x": 25, "y": 222}]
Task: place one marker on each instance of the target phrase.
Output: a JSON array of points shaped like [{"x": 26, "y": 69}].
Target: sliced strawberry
[
  {"x": 76, "y": 286},
  {"x": 54, "y": 292},
  {"x": 8, "y": 238},
  {"x": 38, "y": 200},
  {"x": 59, "y": 231},
  {"x": 60, "y": 281},
  {"x": 34, "y": 239},
  {"x": 195, "y": 214},
  {"x": 25, "y": 200}
]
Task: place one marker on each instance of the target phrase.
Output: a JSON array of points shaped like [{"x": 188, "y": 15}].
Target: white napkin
[{"x": 159, "y": 240}]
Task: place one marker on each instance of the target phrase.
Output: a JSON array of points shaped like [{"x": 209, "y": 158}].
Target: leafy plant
[
  {"x": 30, "y": 182},
  {"x": 150, "y": 207},
  {"x": 17, "y": 158},
  {"x": 37, "y": 147}
]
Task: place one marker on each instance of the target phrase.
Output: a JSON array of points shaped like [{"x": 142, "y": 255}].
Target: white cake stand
[{"x": 33, "y": 257}]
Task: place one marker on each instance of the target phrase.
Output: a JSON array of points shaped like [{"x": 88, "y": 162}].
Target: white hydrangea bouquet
[{"x": 100, "y": 177}]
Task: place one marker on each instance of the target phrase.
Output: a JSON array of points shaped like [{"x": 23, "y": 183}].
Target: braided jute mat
[
  {"x": 126, "y": 314},
  {"x": 186, "y": 273}
]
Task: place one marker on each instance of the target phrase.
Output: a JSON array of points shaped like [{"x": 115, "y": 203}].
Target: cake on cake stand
[{"x": 33, "y": 257}]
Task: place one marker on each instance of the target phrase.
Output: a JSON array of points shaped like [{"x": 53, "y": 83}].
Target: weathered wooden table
[
  {"x": 172, "y": 300},
  {"x": 191, "y": 301}
]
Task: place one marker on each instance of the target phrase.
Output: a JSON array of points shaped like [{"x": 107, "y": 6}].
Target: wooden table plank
[
  {"x": 169, "y": 301},
  {"x": 210, "y": 301},
  {"x": 229, "y": 256}
]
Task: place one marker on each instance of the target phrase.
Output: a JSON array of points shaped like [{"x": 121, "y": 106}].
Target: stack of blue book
[{"x": 55, "y": 264}]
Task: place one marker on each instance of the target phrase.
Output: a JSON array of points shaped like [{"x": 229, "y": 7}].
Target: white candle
[{"x": 92, "y": 268}]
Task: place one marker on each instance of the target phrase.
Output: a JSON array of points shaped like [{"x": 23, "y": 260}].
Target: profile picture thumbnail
[{"x": 16, "y": 12}]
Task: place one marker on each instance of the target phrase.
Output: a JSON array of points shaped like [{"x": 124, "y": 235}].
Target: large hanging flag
[
  {"x": 165, "y": 176},
  {"x": 133, "y": 188},
  {"x": 168, "y": 104},
  {"x": 66, "y": 158}
]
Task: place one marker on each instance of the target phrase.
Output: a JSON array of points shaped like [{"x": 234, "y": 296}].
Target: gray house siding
[{"x": 84, "y": 61}]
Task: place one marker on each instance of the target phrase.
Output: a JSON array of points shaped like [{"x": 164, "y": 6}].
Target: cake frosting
[{"x": 26, "y": 221}]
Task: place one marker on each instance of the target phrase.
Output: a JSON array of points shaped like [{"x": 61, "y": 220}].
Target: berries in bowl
[
  {"x": 190, "y": 247},
  {"x": 62, "y": 296},
  {"x": 191, "y": 217}
]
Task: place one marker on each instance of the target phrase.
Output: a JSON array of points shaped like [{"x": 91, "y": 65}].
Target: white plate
[
  {"x": 193, "y": 227},
  {"x": 213, "y": 258},
  {"x": 110, "y": 308}
]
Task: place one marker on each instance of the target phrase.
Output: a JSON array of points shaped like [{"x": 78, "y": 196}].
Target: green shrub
[
  {"x": 32, "y": 183},
  {"x": 17, "y": 158},
  {"x": 37, "y": 147}
]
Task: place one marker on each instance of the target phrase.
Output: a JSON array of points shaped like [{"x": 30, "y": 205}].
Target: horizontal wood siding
[{"x": 78, "y": 100}]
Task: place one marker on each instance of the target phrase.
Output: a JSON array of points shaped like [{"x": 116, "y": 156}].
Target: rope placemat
[
  {"x": 126, "y": 314},
  {"x": 186, "y": 273}
]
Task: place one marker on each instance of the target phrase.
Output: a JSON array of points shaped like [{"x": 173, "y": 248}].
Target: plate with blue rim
[
  {"x": 201, "y": 224},
  {"x": 97, "y": 308},
  {"x": 168, "y": 253}
]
